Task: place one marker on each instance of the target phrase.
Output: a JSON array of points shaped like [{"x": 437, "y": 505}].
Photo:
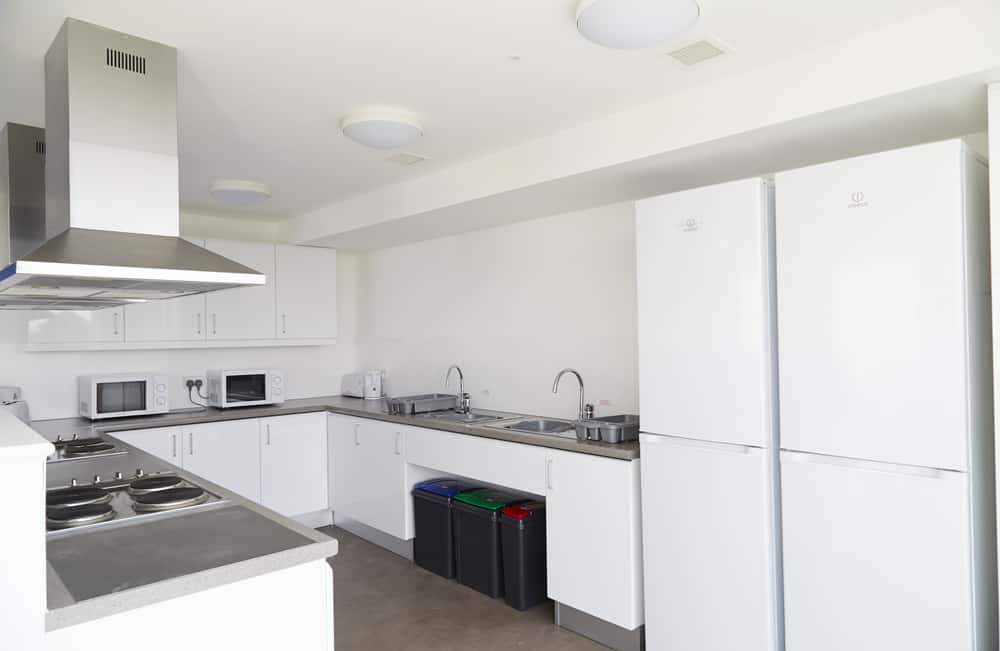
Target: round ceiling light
[
  {"x": 634, "y": 24},
  {"x": 238, "y": 193},
  {"x": 382, "y": 128}
]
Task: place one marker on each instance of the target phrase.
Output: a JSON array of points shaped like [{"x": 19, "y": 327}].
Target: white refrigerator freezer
[
  {"x": 886, "y": 406},
  {"x": 707, "y": 398}
]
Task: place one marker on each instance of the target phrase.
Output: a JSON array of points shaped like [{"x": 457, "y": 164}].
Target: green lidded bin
[{"x": 478, "y": 559}]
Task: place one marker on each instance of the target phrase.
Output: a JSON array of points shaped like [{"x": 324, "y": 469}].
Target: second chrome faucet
[{"x": 586, "y": 411}]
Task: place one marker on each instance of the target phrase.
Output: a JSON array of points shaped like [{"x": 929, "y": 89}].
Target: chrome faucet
[
  {"x": 586, "y": 410},
  {"x": 464, "y": 401}
]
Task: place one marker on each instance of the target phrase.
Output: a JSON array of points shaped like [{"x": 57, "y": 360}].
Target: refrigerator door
[
  {"x": 871, "y": 311},
  {"x": 705, "y": 313},
  {"x": 876, "y": 556},
  {"x": 708, "y": 546}
]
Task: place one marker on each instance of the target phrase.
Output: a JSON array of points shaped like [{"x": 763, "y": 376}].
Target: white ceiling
[{"x": 263, "y": 84}]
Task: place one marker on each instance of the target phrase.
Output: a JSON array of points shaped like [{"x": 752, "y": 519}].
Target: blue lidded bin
[{"x": 434, "y": 541}]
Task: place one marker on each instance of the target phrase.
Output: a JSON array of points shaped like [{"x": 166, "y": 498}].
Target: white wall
[
  {"x": 512, "y": 306},
  {"x": 49, "y": 379}
]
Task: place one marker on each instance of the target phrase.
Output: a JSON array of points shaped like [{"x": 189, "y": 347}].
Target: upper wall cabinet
[
  {"x": 246, "y": 312},
  {"x": 304, "y": 309},
  {"x": 297, "y": 306}
]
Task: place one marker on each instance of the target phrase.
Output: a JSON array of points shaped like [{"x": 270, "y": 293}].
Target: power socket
[{"x": 194, "y": 381}]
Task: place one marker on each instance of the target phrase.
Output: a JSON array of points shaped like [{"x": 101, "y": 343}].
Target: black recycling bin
[
  {"x": 433, "y": 543},
  {"x": 523, "y": 537},
  {"x": 478, "y": 559}
]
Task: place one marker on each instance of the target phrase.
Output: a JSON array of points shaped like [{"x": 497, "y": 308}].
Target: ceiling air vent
[
  {"x": 404, "y": 158},
  {"x": 40, "y": 147},
  {"x": 125, "y": 61},
  {"x": 697, "y": 52}
]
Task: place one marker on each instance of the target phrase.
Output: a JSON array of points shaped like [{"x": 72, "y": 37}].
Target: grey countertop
[
  {"x": 107, "y": 570},
  {"x": 375, "y": 409}
]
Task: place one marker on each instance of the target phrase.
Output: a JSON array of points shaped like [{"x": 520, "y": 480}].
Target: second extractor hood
[{"x": 92, "y": 202}]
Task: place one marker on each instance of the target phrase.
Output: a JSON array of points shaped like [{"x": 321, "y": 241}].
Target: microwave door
[{"x": 246, "y": 388}]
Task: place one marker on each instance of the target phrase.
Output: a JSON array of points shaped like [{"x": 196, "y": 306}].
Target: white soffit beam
[{"x": 877, "y": 64}]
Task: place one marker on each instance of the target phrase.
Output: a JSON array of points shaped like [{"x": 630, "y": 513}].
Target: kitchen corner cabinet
[
  {"x": 293, "y": 463},
  {"x": 593, "y": 529},
  {"x": 161, "y": 442},
  {"x": 76, "y": 326},
  {"x": 226, "y": 453},
  {"x": 243, "y": 312},
  {"x": 368, "y": 473},
  {"x": 302, "y": 312}
]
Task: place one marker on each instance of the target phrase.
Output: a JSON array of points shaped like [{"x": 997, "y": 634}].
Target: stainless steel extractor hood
[{"x": 89, "y": 215}]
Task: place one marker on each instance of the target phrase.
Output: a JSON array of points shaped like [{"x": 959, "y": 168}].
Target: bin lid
[
  {"x": 487, "y": 498},
  {"x": 444, "y": 486},
  {"x": 523, "y": 510}
]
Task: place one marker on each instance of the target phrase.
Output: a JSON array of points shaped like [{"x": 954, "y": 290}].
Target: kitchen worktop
[
  {"x": 194, "y": 551},
  {"x": 374, "y": 409}
]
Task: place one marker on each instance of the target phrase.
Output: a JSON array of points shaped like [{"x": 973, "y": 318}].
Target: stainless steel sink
[
  {"x": 540, "y": 426},
  {"x": 457, "y": 417}
]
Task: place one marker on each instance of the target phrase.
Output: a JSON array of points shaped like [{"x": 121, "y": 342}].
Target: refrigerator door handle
[
  {"x": 872, "y": 466},
  {"x": 731, "y": 448}
]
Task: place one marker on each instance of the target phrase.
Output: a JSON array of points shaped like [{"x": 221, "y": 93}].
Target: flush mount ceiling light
[
  {"x": 238, "y": 193},
  {"x": 382, "y": 128},
  {"x": 634, "y": 24}
]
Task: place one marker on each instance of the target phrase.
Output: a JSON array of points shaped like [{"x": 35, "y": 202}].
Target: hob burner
[
  {"x": 77, "y": 516},
  {"x": 64, "y": 498},
  {"x": 167, "y": 499},
  {"x": 153, "y": 484}
]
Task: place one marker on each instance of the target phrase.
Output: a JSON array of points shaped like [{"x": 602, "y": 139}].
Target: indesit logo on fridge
[
  {"x": 858, "y": 200},
  {"x": 689, "y": 225}
]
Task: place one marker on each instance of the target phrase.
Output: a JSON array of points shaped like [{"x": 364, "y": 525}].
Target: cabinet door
[
  {"x": 369, "y": 474},
  {"x": 244, "y": 312},
  {"x": 343, "y": 446},
  {"x": 76, "y": 326},
  {"x": 293, "y": 464},
  {"x": 161, "y": 442},
  {"x": 172, "y": 319},
  {"x": 302, "y": 312},
  {"x": 876, "y": 556},
  {"x": 226, "y": 453},
  {"x": 594, "y": 539},
  {"x": 708, "y": 545}
]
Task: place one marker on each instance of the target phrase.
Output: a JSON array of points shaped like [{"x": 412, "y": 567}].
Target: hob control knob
[
  {"x": 97, "y": 479},
  {"x": 139, "y": 472},
  {"x": 118, "y": 475},
  {"x": 76, "y": 436},
  {"x": 73, "y": 482}
]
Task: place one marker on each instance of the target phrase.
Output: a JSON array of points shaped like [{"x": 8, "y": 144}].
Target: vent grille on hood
[{"x": 125, "y": 61}]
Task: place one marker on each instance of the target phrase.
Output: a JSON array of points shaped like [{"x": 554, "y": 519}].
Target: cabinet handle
[
  {"x": 284, "y": 323},
  {"x": 398, "y": 436},
  {"x": 357, "y": 441},
  {"x": 548, "y": 474},
  {"x": 213, "y": 323},
  {"x": 197, "y": 323},
  {"x": 191, "y": 443},
  {"x": 268, "y": 426},
  {"x": 174, "y": 446},
  {"x": 114, "y": 318}
]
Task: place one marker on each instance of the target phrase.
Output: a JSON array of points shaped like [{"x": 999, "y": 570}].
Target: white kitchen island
[{"x": 55, "y": 595}]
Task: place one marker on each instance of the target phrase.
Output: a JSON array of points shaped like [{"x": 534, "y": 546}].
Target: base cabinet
[
  {"x": 369, "y": 473},
  {"x": 293, "y": 463},
  {"x": 226, "y": 453},
  {"x": 593, "y": 526},
  {"x": 161, "y": 442}
]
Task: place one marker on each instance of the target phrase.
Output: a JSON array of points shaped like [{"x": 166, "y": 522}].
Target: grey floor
[{"x": 385, "y": 602}]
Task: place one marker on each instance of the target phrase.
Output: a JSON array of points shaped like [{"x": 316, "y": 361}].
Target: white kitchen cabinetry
[
  {"x": 226, "y": 453},
  {"x": 173, "y": 319},
  {"x": 594, "y": 543},
  {"x": 293, "y": 463},
  {"x": 369, "y": 473},
  {"x": 76, "y": 326},
  {"x": 303, "y": 312},
  {"x": 244, "y": 312},
  {"x": 161, "y": 442}
]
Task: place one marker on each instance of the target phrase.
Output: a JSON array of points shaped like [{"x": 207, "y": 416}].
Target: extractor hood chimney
[{"x": 108, "y": 230}]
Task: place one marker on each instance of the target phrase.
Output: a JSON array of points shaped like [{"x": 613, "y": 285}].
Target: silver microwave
[
  {"x": 114, "y": 396},
  {"x": 245, "y": 388}
]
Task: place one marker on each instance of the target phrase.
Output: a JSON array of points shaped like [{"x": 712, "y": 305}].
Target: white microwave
[
  {"x": 245, "y": 388},
  {"x": 114, "y": 396}
]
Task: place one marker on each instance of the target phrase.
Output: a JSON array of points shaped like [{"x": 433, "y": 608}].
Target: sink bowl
[
  {"x": 457, "y": 417},
  {"x": 540, "y": 426}
]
